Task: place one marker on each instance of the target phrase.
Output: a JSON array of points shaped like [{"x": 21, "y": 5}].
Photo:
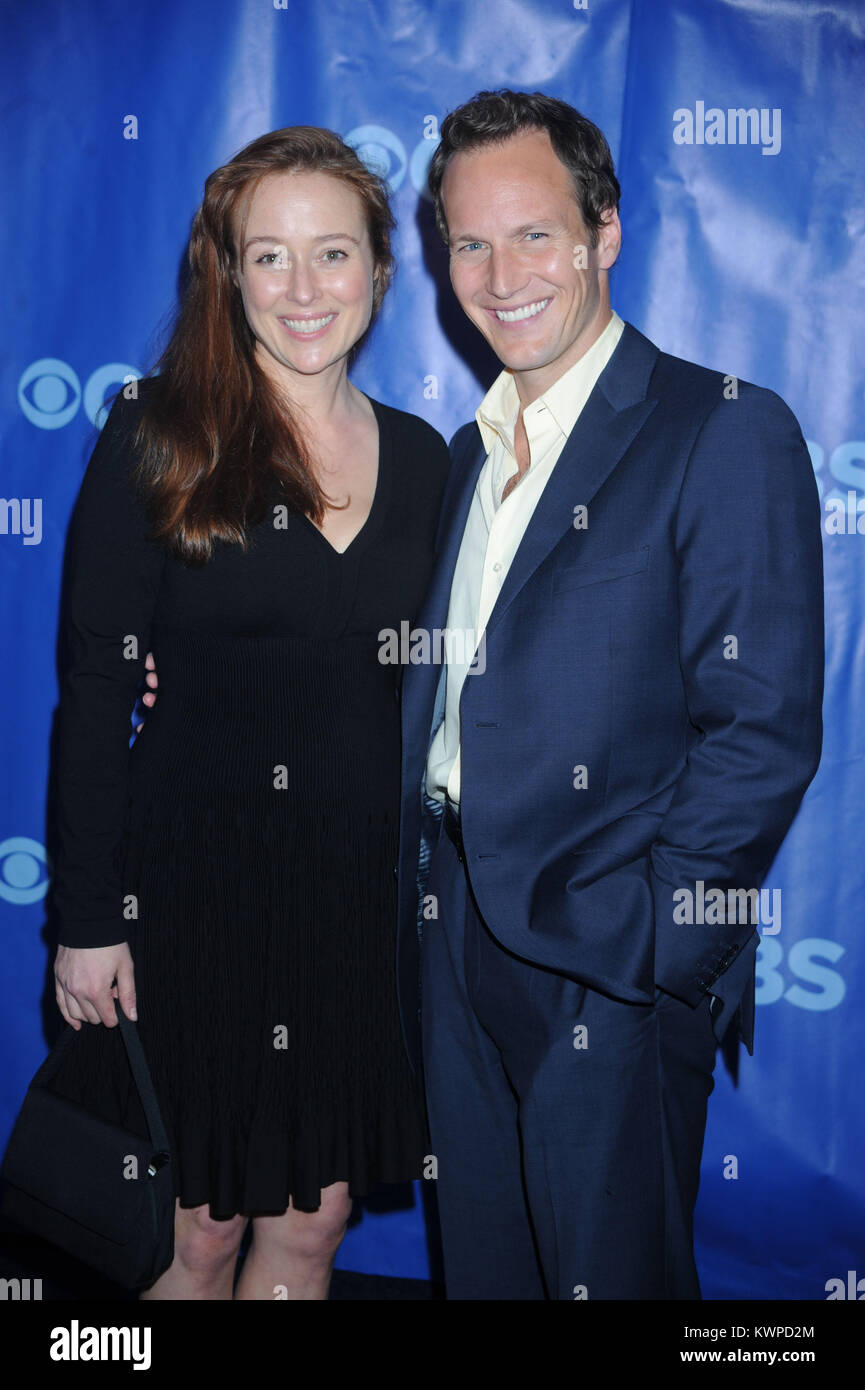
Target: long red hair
[{"x": 215, "y": 444}]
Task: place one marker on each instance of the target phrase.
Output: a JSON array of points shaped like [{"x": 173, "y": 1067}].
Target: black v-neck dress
[{"x": 246, "y": 844}]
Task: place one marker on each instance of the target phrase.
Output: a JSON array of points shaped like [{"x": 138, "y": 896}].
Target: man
[{"x": 638, "y": 551}]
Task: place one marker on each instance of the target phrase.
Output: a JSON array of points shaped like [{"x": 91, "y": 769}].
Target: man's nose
[{"x": 505, "y": 275}]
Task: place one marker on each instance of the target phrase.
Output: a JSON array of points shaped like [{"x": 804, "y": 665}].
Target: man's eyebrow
[
  {"x": 325, "y": 236},
  {"x": 533, "y": 226},
  {"x": 465, "y": 236}
]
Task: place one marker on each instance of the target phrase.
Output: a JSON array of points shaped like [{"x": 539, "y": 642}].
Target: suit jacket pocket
[{"x": 576, "y": 576}]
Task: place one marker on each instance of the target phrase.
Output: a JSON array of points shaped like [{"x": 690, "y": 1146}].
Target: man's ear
[{"x": 609, "y": 239}]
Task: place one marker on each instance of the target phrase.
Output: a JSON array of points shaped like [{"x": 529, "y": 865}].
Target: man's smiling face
[{"x": 521, "y": 260}]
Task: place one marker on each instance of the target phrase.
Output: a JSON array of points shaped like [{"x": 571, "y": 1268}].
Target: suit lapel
[
  {"x": 457, "y": 502},
  {"x": 422, "y": 683},
  {"x": 609, "y": 422}
]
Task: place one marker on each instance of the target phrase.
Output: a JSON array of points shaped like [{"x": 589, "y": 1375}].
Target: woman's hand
[
  {"x": 85, "y": 985},
  {"x": 147, "y": 699}
]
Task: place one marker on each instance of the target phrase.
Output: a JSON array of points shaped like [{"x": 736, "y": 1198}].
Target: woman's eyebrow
[{"x": 326, "y": 236}]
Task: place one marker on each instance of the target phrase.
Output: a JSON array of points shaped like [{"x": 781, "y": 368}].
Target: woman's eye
[
  {"x": 335, "y": 252},
  {"x": 271, "y": 258}
]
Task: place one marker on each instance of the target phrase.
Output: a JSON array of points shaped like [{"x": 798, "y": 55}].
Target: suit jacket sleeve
[
  {"x": 751, "y": 652},
  {"x": 112, "y": 577}
]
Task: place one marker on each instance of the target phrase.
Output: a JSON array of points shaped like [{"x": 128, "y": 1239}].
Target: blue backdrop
[{"x": 736, "y": 126}]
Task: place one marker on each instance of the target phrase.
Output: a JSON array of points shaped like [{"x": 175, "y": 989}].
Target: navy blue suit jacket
[{"x": 610, "y": 648}]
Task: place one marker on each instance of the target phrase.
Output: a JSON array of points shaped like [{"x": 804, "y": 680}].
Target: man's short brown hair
[{"x": 491, "y": 117}]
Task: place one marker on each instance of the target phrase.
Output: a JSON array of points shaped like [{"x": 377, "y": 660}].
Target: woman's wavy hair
[
  {"x": 215, "y": 442},
  {"x": 491, "y": 117}
]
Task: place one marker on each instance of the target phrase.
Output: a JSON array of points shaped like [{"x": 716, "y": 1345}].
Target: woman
[{"x": 255, "y": 521}]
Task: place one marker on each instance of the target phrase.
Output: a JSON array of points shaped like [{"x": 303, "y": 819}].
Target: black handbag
[{"x": 95, "y": 1189}]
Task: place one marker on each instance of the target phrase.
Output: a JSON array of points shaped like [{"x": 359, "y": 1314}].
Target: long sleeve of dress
[{"x": 113, "y": 576}]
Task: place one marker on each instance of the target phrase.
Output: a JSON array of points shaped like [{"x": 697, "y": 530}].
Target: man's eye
[
  {"x": 531, "y": 234},
  {"x": 471, "y": 245},
  {"x": 335, "y": 252}
]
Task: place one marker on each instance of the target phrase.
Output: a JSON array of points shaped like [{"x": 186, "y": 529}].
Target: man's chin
[{"x": 516, "y": 359}]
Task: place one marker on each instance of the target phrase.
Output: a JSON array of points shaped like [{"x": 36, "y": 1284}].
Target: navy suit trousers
[{"x": 568, "y": 1126}]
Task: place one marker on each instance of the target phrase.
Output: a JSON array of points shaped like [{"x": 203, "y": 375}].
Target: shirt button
[{"x": 496, "y": 567}]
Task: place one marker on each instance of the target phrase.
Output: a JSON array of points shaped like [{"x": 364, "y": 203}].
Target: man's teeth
[
  {"x": 308, "y": 325},
  {"x": 527, "y": 312}
]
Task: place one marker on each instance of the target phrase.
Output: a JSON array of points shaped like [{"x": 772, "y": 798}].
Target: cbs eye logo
[
  {"x": 49, "y": 392},
  {"x": 384, "y": 154},
  {"x": 22, "y": 862}
]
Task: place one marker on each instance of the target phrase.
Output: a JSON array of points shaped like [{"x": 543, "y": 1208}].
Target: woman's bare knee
[
  {"x": 204, "y": 1243},
  {"x": 307, "y": 1234}
]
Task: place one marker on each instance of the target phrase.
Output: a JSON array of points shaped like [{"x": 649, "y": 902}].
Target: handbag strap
[
  {"x": 137, "y": 1063},
  {"x": 141, "y": 1074}
]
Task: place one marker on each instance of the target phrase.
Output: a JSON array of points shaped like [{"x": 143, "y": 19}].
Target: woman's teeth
[{"x": 308, "y": 325}]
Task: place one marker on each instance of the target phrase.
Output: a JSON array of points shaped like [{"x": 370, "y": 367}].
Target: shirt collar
[{"x": 497, "y": 413}]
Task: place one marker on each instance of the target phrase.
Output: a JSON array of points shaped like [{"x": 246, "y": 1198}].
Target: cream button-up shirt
[{"x": 495, "y": 528}]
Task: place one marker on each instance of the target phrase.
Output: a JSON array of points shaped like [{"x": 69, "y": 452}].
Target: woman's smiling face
[{"x": 306, "y": 273}]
